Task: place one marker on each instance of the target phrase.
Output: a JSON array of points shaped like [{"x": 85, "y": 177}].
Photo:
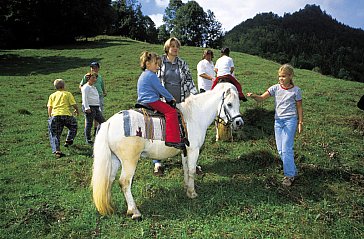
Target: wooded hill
[{"x": 309, "y": 39}]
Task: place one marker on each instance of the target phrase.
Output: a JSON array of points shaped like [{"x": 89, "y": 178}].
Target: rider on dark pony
[{"x": 231, "y": 79}]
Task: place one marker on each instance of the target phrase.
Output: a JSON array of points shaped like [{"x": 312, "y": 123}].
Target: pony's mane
[{"x": 192, "y": 99}]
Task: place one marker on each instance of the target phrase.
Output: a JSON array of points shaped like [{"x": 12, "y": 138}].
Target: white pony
[{"x": 112, "y": 148}]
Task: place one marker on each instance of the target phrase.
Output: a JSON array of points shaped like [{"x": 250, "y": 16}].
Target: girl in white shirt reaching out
[{"x": 288, "y": 115}]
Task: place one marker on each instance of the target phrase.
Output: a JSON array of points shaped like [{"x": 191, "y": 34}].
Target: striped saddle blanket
[{"x": 144, "y": 123}]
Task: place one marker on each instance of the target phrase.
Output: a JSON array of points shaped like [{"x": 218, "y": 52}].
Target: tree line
[
  {"x": 36, "y": 23},
  {"x": 308, "y": 39}
]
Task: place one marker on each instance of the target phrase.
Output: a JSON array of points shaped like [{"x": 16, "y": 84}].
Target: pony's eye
[{"x": 229, "y": 105}]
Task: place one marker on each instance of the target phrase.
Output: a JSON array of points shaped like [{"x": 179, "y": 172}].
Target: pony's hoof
[
  {"x": 192, "y": 194},
  {"x": 137, "y": 217},
  {"x": 135, "y": 214}
]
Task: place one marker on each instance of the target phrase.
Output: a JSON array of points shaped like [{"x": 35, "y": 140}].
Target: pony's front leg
[
  {"x": 185, "y": 171},
  {"x": 189, "y": 168}
]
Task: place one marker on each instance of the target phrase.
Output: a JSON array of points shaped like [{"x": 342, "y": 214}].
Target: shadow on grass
[
  {"x": 14, "y": 65},
  {"x": 258, "y": 124},
  {"x": 92, "y": 44},
  {"x": 247, "y": 186},
  {"x": 81, "y": 149},
  {"x": 245, "y": 163}
]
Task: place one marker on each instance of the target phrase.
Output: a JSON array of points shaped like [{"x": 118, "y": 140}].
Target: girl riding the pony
[{"x": 149, "y": 91}]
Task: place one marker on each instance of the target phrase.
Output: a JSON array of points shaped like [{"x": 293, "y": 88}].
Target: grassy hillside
[{"x": 240, "y": 195}]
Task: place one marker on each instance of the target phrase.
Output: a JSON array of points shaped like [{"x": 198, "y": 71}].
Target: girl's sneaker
[{"x": 287, "y": 181}]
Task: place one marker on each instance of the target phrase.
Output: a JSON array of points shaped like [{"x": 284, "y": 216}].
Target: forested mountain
[{"x": 309, "y": 39}]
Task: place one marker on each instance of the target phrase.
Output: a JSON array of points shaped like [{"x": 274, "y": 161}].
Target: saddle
[{"x": 145, "y": 109}]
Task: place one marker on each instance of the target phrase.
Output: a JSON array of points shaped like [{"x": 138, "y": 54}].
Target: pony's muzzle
[{"x": 238, "y": 122}]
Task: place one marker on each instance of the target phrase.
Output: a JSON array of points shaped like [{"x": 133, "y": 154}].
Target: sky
[{"x": 233, "y": 12}]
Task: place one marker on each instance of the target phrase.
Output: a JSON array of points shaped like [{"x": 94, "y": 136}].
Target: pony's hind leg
[
  {"x": 125, "y": 182},
  {"x": 129, "y": 155}
]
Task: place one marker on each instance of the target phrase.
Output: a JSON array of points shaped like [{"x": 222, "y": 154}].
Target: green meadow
[{"x": 240, "y": 193}]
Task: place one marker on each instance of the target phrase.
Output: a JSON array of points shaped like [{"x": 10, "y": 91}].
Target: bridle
[{"x": 230, "y": 119}]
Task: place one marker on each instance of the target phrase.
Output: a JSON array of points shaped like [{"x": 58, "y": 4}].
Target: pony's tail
[{"x": 101, "y": 175}]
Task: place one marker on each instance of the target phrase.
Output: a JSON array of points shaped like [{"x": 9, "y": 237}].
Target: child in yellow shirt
[{"x": 59, "y": 106}]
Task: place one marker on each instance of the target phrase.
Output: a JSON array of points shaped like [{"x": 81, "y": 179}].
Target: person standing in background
[
  {"x": 176, "y": 77},
  {"x": 100, "y": 86},
  {"x": 174, "y": 72},
  {"x": 205, "y": 71},
  {"x": 91, "y": 105},
  {"x": 225, "y": 64}
]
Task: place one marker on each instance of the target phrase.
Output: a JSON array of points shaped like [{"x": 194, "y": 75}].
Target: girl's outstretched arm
[{"x": 261, "y": 97}]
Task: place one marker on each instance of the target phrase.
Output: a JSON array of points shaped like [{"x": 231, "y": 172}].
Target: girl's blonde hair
[
  {"x": 167, "y": 44},
  {"x": 288, "y": 69},
  {"x": 147, "y": 56}
]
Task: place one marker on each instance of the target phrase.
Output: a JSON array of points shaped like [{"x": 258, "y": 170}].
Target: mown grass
[{"x": 240, "y": 195}]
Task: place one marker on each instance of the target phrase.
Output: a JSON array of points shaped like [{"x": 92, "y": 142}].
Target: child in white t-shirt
[{"x": 288, "y": 114}]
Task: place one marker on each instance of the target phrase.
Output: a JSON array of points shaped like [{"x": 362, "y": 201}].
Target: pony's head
[{"x": 229, "y": 109}]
